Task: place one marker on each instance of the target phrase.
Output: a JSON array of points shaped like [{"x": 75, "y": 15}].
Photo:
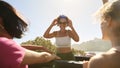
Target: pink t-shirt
[{"x": 11, "y": 54}]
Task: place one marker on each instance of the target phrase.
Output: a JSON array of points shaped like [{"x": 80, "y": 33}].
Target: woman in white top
[{"x": 63, "y": 37}]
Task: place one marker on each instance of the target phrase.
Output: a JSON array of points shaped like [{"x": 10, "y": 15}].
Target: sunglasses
[{"x": 62, "y": 22}]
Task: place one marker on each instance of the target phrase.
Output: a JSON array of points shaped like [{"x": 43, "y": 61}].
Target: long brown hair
[{"x": 12, "y": 23}]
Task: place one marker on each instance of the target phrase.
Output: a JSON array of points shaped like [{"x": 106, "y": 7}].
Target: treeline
[{"x": 95, "y": 45}]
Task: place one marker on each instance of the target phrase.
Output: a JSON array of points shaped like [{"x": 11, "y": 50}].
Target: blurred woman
[
  {"x": 110, "y": 25},
  {"x": 12, "y": 55}
]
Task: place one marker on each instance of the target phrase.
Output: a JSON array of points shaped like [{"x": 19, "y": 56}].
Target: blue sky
[{"x": 40, "y": 14}]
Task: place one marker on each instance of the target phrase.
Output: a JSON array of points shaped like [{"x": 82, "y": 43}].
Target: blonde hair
[{"x": 110, "y": 9}]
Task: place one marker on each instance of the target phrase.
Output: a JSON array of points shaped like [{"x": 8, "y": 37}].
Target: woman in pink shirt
[{"x": 13, "y": 55}]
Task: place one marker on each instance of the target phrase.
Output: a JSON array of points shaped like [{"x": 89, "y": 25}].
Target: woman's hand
[
  {"x": 50, "y": 57},
  {"x": 54, "y": 22},
  {"x": 104, "y": 1},
  {"x": 70, "y": 23}
]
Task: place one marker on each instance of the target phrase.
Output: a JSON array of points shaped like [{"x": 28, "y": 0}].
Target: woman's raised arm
[{"x": 104, "y": 1}]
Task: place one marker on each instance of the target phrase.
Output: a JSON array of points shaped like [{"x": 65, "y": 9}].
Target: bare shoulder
[
  {"x": 97, "y": 57},
  {"x": 97, "y": 61}
]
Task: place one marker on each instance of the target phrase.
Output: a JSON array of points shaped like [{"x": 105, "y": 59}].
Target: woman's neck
[{"x": 4, "y": 33}]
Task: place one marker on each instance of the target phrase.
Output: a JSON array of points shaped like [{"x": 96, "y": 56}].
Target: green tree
[{"x": 40, "y": 41}]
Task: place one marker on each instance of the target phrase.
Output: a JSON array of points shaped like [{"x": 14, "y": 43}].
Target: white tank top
[{"x": 63, "y": 41}]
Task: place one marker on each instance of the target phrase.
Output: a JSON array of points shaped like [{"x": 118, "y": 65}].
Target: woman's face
[{"x": 62, "y": 22}]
